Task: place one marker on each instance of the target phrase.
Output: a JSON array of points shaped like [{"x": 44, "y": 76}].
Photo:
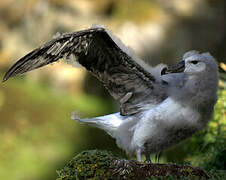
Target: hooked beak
[{"x": 175, "y": 68}]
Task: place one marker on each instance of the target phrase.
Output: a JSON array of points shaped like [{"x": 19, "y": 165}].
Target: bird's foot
[{"x": 148, "y": 161}]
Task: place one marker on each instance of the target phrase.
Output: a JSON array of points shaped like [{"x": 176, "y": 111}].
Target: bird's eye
[{"x": 194, "y": 62}]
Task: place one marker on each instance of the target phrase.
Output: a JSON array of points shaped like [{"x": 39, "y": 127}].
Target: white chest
[{"x": 162, "y": 121}]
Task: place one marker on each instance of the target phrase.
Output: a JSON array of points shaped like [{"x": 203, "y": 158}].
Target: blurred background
[{"x": 37, "y": 135}]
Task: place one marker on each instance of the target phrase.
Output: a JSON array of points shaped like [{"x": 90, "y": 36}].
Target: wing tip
[
  {"x": 6, "y": 77},
  {"x": 10, "y": 73}
]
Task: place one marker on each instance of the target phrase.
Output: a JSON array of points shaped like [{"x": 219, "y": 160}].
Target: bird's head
[
  {"x": 193, "y": 63},
  {"x": 196, "y": 80}
]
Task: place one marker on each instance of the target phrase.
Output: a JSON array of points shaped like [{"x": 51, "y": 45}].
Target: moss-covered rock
[
  {"x": 88, "y": 165},
  {"x": 95, "y": 164}
]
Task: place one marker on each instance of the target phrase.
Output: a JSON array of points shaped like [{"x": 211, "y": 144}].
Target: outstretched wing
[{"x": 97, "y": 50}]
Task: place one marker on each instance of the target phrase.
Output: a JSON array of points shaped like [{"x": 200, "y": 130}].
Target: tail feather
[
  {"x": 115, "y": 125},
  {"x": 109, "y": 123}
]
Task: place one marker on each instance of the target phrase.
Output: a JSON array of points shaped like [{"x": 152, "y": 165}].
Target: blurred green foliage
[
  {"x": 37, "y": 134},
  {"x": 124, "y": 10}
]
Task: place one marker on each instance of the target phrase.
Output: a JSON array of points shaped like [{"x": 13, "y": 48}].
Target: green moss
[{"x": 87, "y": 165}]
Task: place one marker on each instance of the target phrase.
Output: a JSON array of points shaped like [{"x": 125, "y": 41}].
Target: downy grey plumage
[{"x": 159, "y": 107}]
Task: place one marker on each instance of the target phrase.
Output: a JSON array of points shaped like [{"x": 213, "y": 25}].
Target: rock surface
[{"x": 95, "y": 164}]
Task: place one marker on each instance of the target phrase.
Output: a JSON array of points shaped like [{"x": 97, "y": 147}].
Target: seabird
[{"x": 159, "y": 107}]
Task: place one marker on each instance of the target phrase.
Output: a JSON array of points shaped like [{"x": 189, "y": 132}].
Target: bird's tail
[{"x": 109, "y": 123}]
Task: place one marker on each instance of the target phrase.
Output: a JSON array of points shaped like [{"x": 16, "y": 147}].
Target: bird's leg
[
  {"x": 138, "y": 154},
  {"x": 160, "y": 154},
  {"x": 157, "y": 156},
  {"x": 147, "y": 156}
]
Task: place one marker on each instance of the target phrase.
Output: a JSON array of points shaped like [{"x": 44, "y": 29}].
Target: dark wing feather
[{"x": 125, "y": 79}]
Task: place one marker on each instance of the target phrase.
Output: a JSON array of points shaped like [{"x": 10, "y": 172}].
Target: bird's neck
[{"x": 199, "y": 92}]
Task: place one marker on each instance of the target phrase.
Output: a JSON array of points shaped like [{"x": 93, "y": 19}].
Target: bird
[{"x": 159, "y": 106}]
